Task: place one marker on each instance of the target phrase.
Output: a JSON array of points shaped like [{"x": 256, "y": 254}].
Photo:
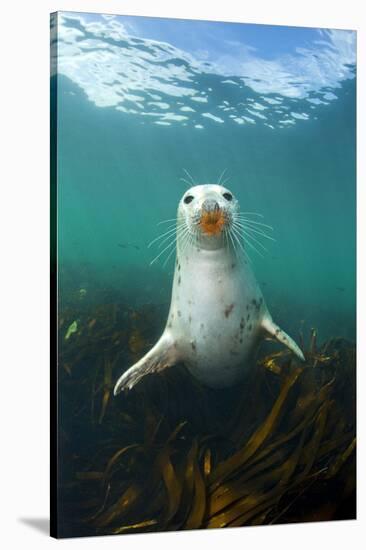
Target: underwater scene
[{"x": 202, "y": 165}]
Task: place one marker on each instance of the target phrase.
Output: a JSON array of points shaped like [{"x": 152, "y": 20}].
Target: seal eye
[
  {"x": 188, "y": 199},
  {"x": 228, "y": 196}
]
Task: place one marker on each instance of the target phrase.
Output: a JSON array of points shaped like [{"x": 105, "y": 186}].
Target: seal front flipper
[
  {"x": 274, "y": 330},
  {"x": 161, "y": 356}
]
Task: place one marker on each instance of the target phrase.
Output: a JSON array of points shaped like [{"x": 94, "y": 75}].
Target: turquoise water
[{"x": 135, "y": 112}]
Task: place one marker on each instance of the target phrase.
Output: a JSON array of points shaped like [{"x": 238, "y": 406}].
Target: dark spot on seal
[
  {"x": 241, "y": 340},
  {"x": 178, "y": 267},
  {"x": 228, "y": 310},
  {"x": 179, "y": 280},
  {"x": 193, "y": 344},
  {"x": 232, "y": 266},
  {"x": 190, "y": 319},
  {"x": 175, "y": 345},
  {"x": 242, "y": 323},
  {"x": 179, "y": 313},
  {"x": 277, "y": 331},
  {"x": 170, "y": 324},
  {"x": 202, "y": 326},
  {"x": 250, "y": 327},
  {"x": 248, "y": 317}
]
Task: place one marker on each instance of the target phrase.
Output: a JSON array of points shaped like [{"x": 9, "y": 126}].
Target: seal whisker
[
  {"x": 184, "y": 237},
  {"x": 226, "y": 237},
  {"x": 181, "y": 234},
  {"x": 251, "y": 214},
  {"x": 247, "y": 242},
  {"x": 186, "y": 181},
  {"x": 193, "y": 237},
  {"x": 235, "y": 235},
  {"x": 177, "y": 231},
  {"x": 185, "y": 244},
  {"x": 252, "y": 230},
  {"x": 255, "y": 240},
  {"x": 221, "y": 176},
  {"x": 243, "y": 233},
  {"x": 169, "y": 255},
  {"x": 256, "y": 224},
  {"x": 225, "y": 180},
  {"x": 169, "y": 232},
  {"x": 173, "y": 236},
  {"x": 175, "y": 220},
  {"x": 237, "y": 255},
  {"x": 172, "y": 226},
  {"x": 264, "y": 230},
  {"x": 162, "y": 252},
  {"x": 232, "y": 243},
  {"x": 188, "y": 241},
  {"x": 189, "y": 175},
  {"x": 252, "y": 222}
]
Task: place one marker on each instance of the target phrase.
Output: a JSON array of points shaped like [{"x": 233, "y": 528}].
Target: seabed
[{"x": 173, "y": 455}]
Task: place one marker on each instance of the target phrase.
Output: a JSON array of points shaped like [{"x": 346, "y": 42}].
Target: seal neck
[{"x": 217, "y": 249}]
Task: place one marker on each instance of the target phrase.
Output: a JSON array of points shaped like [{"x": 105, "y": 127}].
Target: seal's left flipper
[
  {"x": 274, "y": 330},
  {"x": 161, "y": 356}
]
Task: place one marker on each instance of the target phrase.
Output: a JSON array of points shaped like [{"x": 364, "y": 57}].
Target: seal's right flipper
[
  {"x": 275, "y": 331},
  {"x": 161, "y": 356}
]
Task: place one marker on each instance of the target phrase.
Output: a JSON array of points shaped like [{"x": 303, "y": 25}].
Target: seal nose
[
  {"x": 210, "y": 205},
  {"x": 212, "y": 218}
]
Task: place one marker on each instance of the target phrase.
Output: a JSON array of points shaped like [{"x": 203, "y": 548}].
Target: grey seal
[{"x": 217, "y": 314}]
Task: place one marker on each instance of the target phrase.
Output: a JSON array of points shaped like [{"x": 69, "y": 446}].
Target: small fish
[{"x": 128, "y": 245}]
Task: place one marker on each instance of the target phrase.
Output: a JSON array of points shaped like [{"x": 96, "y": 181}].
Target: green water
[
  {"x": 141, "y": 104},
  {"x": 119, "y": 176}
]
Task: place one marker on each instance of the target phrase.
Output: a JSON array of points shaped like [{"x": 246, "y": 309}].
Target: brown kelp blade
[
  {"x": 227, "y": 468},
  {"x": 166, "y": 457}
]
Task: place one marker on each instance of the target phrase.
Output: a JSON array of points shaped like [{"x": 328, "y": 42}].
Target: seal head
[{"x": 207, "y": 213}]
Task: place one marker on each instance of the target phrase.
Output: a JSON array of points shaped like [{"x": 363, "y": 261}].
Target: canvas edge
[{"x": 54, "y": 527}]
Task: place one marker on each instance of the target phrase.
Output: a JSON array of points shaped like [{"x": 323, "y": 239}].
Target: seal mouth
[{"x": 212, "y": 221}]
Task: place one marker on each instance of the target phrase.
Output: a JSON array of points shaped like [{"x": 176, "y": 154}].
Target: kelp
[{"x": 172, "y": 454}]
